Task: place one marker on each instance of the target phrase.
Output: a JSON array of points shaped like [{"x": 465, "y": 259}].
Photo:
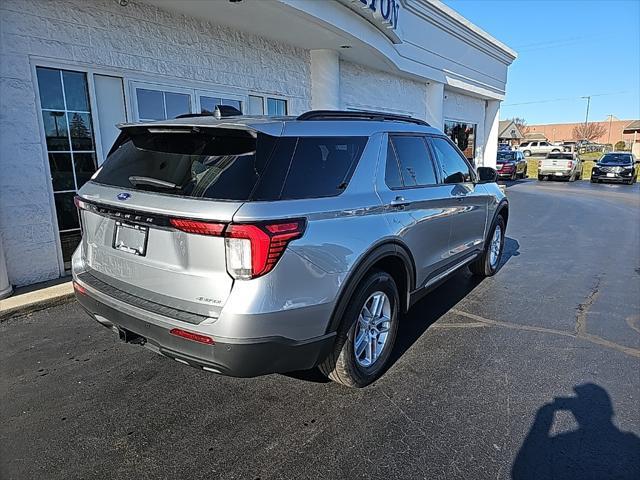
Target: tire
[
  {"x": 514, "y": 176},
  {"x": 341, "y": 364},
  {"x": 524, "y": 173},
  {"x": 572, "y": 177},
  {"x": 527, "y": 153},
  {"x": 541, "y": 178},
  {"x": 593, "y": 180},
  {"x": 555, "y": 150},
  {"x": 483, "y": 266}
]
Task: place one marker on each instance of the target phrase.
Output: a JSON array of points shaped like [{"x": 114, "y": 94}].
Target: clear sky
[{"x": 566, "y": 49}]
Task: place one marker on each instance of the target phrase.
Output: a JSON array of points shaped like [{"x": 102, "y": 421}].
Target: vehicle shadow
[
  {"x": 597, "y": 449},
  {"x": 427, "y": 311}
]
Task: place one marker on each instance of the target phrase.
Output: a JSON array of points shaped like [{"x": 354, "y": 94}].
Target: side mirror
[{"x": 487, "y": 175}]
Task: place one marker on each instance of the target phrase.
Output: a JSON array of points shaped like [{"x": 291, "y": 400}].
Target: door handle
[{"x": 398, "y": 202}]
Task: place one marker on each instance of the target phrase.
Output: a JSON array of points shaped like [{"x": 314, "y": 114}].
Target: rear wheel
[
  {"x": 527, "y": 153},
  {"x": 366, "y": 334},
  {"x": 487, "y": 264}
]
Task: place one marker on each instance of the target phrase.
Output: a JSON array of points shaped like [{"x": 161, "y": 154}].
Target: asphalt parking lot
[{"x": 470, "y": 394}]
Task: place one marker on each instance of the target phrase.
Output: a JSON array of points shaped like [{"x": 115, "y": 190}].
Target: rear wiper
[{"x": 155, "y": 182}]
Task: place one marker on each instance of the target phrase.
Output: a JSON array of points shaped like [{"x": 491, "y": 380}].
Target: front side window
[
  {"x": 414, "y": 160},
  {"x": 463, "y": 134},
  {"x": 68, "y": 129},
  {"x": 454, "y": 168}
]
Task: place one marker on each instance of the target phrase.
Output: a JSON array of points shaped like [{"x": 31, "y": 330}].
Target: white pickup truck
[
  {"x": 561, "y": 165},
  {"x": 538, "y": 147}
]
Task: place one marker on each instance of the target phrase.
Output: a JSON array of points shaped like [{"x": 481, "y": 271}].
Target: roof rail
[
  {"x": 220, "y": 111},
  {"x": 359, "y": 115}
]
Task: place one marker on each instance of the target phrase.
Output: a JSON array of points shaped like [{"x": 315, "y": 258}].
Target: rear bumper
[
  {"x": 555, "y": 173},
  {"x": 233, "y": 357}
]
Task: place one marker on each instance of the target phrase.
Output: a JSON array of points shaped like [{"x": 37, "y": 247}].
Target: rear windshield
[
  {"x": 506, "y": 156},
  {"x": 231, "y": 165},
  {"x": 616, "y": 158},
  {"x": 563, "y": 156}
]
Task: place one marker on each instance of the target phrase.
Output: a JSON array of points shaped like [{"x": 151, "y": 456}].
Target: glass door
[{"x": 68, "y": 128}]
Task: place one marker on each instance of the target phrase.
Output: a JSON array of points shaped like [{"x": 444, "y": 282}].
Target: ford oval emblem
[{"x": 123, "y": 196}]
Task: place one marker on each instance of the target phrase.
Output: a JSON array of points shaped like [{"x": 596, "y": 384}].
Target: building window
[
  {"x": 463, "y": 135},
  {"x": 258, "y": 105},
  {"x": 66, "y": 115}
]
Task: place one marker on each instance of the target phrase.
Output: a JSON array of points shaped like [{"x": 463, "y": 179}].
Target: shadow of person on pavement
[{"x": 597, "y": 450}]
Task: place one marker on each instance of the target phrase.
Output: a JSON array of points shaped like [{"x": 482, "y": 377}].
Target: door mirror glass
[{"x": 487, "y": 175}]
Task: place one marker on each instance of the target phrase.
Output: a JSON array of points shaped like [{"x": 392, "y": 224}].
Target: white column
[
  {"x": 491, "y": 126},
  {"x": 325, "y": 80},
  {"x": 435, "y": 104},
  {"x": 5, "y": 286}
]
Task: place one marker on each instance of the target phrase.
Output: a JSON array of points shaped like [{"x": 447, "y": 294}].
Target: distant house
[{"x": 509, "y": 132}]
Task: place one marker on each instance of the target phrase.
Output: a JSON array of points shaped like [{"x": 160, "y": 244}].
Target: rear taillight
[
  {"x": 198, "y": 227},
  {"x": 254, "y": 249},
  {"x": 251, "y": 249},
  {"x": 80, "y": 205}
]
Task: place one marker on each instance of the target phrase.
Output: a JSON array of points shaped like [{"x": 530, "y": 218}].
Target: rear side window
[
  {"x": 319, "y": 166},
  {"x": 414, "y": 160},
  {"x": 454, "y": 167},
  {"x": 225, "y": 164}
]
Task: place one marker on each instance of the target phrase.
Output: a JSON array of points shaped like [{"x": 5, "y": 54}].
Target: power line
[{"x": 561, "y": 99}]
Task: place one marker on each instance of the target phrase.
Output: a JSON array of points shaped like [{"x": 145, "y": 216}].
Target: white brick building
[{"x": 72, "y": 69}]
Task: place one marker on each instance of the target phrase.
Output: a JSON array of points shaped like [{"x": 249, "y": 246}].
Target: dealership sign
[
  {"x": 384, "y": 14},
  {"x": 385, "y": 11}
]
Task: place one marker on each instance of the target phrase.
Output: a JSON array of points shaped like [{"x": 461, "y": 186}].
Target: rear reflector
[
  {"x": 198, "y": 227},
  {"x": 195, "y": 337},
  {"x": 79, "y": 288}
]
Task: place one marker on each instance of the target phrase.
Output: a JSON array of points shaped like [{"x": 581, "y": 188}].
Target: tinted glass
[
  {"x": 524, "y": 144},
  {"x": 80, "y": 131},
  {"x": 55, "y": 130},
  {"x": 415, "y": 162},
  {"x": 177, "y": 104},
  {"x": 61, "y": 171},
  {"x": 50, "y": 86},
  {"x": 222, "y": 165},
  {"x": 616, "y": 158},
  {"x": 75, "y": 90},
  {"x": 392, "y": 172},
  {"x": 150, "y": 104},
  {"x": 454, "y": 168},
  {"x": 564, "y": 156},
  {"x": 85, "y": 166},
  {"x": 66, "y": 211},
  {"x": 322, "y": 167}
]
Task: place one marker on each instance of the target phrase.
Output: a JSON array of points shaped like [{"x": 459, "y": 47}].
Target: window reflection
[
  {"x": 80, "y": 130},
  {"x": 463, "y": 135},
  {"x": 55, "y": 130}
]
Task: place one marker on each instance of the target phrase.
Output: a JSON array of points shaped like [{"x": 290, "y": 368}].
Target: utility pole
[
  {"x": 609, "y": 137},
  {"x": 586, "y": 118}
]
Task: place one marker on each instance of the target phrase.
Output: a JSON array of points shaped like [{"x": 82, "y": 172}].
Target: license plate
[
  {"x": 611, "y": 174},
  {"x": 131, "y": 238},
  {"x": 559, "y": 174}
]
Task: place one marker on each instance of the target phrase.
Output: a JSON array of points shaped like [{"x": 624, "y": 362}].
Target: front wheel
[
  {"x": 527, "y": 153},
  {"x": 487, "y": 264},
  {"x": 540, "y": 178},
  {"x": 366, "y": 334}
]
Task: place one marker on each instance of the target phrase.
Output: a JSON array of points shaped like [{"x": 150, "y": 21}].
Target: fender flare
[
  {"x": 502, "y": 206},
  {"x": 375, "y": 254}
]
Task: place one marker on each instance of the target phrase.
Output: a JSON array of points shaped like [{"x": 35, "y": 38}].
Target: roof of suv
[{"x": 315, "y": 123}]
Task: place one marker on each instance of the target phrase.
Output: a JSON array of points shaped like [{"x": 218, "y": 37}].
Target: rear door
[
  {"x": 468, "y": 201},
  {"x": 416, "y": 203},
  {"x": 155, "y": 211}
]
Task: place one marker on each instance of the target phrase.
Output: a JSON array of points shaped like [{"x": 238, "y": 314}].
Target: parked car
[
  {"x": 538, "y": 148},
  {"x": 569, "y": 146},
  {"x": 562, "y": 165},
  {"x": 511, "y": 165},
  {"x": 616, "y": 167},
  {"x": 251, "y": 245},
  {"x": 504, "y": 147}
]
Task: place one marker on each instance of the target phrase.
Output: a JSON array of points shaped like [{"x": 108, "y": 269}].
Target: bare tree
[
  {"x": 589, "y": 131},
  {"x": 521, "y": 123}
]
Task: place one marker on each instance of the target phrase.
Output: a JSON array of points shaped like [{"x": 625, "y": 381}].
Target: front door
[
  {"x": 468, "y": 200},
  {"x": 68, "y": 129}
]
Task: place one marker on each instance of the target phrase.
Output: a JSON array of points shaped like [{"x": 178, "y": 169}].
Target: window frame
[
  {"x": 472, "y": 169},
  {"x": 436, "y": 169}
]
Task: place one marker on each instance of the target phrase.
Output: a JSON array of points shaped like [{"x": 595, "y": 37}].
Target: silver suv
[{"x": 252, "y": 245}]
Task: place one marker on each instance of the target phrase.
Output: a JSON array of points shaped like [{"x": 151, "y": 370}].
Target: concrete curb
[{"x": 32, "y": 301}]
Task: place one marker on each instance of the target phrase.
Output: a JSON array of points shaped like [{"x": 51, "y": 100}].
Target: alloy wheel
[{"x": 372, "y": 329}]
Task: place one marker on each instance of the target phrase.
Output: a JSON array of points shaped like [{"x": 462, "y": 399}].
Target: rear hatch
[{"x": 151, "y": 212}]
